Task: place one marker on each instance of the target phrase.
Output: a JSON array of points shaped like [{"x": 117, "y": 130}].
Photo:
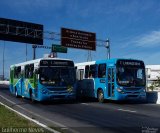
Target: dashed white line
[
  {"x": 125, "y": 110},
  {"x": 85, "y": 104}
]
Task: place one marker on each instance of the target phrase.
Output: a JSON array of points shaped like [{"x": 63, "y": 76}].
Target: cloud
[
  {"x": 149, "y": 40},
  {"x": 150, "y": 58}
]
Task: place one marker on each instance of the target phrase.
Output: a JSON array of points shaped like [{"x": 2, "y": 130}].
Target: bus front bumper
[
  {"x": 57, "y": 96},
  {"x": 132, "y": 96}
]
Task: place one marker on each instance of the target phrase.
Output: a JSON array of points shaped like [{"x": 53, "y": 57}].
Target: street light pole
[{"x": 108, "y": 48}]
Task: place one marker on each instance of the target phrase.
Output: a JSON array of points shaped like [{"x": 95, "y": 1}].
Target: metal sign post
[{"x": 108, "y": 48}]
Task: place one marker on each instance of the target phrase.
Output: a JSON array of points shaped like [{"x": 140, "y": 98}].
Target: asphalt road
[{"x": 89, "y": 116}]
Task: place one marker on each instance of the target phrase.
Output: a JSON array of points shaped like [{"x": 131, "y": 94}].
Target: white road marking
[
  {"x": 85, "y": 104},
  {"x": 30, "y": 119},
  {"x": 48, "y": 128},
  {"x": 125, "y": 110},
  {"x": 58, "y": 124},
  {"x": 25, "y": 116},
  {"x": 64, "y": 128}
]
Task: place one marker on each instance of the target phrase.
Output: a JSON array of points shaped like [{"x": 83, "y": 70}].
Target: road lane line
[
  {"x": 54, "y": 122},
  {"x": 58, "y": 124},
  {"x": 85, "y": 104},
  {"x": 132, "y": 111}
]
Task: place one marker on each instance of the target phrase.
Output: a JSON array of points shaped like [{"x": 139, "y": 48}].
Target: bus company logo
[{"x": 26, "y": 84}]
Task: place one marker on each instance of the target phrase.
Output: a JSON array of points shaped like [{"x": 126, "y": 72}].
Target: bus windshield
[
  {"x": 130, "y": 76},
  {"x": 131, "y": 73},
  {"x": 57, "y": 76}
]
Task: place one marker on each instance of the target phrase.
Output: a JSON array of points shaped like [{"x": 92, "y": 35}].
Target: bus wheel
[
  {"x": 16, "y": 93},
  {"x": 100, "y": 96},
  {"x": 31, "y": 96}
]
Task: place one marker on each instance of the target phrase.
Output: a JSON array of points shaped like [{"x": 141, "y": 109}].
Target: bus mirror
[{"x": 36, "y": 71}]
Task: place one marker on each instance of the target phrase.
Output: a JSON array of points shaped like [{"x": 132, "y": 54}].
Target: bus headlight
[
  {"x": 69, "y": 88},
  {"x": 120, "y": 90},
  {"x": 44, "y": 91},
  {"x": 143, "y": 91}
]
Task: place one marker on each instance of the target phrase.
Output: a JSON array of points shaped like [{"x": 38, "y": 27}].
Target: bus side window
[
  {"x": 93, "y": 71},
  {"x": 17, "y": 72},
  {"x": 87, "y": 71},
  {"x": 26, "y": 71},
  {"x": 29, "y": 71},
  {"x": 80, "y": 74},
  {"x": 102, "y": 71}
]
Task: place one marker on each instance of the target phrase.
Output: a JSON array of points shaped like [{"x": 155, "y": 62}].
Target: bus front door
[{"x": 111, "y": 79}]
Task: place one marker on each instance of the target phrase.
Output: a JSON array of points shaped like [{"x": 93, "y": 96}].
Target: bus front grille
[
  {"x": 57, "y": 89},
  {"x": 132, "y": 89},
  {"x": 130, "y": 96}
]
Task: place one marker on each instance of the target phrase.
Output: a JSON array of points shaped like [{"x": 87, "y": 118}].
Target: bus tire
[
  {"x": 31, "y": 96},
  {"x": 16, "y": 93},
  {"x": 100, "y": 96}
]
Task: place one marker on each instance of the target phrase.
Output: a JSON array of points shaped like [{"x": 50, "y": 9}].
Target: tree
[{"x": 155, "y": 84}]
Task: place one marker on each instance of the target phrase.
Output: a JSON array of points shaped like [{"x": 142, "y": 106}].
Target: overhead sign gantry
[{"x": 19, "y": 31}]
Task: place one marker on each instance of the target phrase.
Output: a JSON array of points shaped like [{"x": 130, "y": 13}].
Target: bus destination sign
[
  {"x": 130, "y": 63},
  {"x": 78, "y": 39},
  {"x": 56, "y": 63}
]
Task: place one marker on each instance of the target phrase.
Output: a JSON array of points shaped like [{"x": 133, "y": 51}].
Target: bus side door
[
  {"x": 111, "y": 81},
  {"x": 100, "y": 82}
]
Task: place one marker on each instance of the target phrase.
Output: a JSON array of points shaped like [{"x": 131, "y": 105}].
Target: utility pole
[
  {"x": 108, "y": 48},
  {"x": 89, "y": 57},
  {"x": 3, "y": 58}
]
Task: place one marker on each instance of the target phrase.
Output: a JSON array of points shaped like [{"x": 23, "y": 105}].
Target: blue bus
[
  {"x": 44, "y": 79},
  {"x": 114, "y": 79}
]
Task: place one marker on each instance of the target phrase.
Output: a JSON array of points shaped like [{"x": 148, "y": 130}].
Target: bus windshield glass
[
  {"x": 131, "y": 73},
  {"x": 57, "y": 76}
]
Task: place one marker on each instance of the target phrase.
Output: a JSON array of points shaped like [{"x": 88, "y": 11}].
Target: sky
[{"x": 132, "y": 26}]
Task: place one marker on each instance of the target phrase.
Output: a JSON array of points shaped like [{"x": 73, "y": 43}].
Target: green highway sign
[{"x": 59, "y": 48}]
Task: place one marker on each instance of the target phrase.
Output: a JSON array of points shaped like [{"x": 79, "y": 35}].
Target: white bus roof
[
  {"x": 85, "y": 63},
  {"x": 36, "y": 61}
]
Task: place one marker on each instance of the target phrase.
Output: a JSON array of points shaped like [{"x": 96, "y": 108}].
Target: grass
[{"x": 12, "y": 122}]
